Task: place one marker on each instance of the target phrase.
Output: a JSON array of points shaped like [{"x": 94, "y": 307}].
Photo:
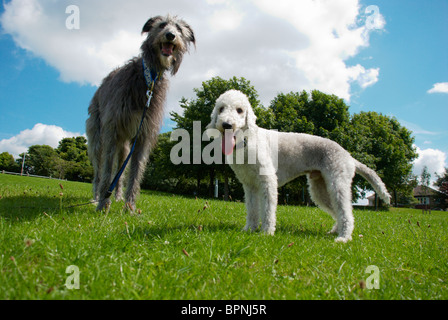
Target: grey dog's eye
[
  {"x": 221, "y": 109},
  {"x": 239, "y": 110},
  {"x": 163, "y": 25}
]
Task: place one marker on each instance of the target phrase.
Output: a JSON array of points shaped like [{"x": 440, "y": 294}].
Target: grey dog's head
[{"x": 168, "y": 38}]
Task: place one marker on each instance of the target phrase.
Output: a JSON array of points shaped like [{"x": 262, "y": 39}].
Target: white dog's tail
[{"x": 374, "y": 180}]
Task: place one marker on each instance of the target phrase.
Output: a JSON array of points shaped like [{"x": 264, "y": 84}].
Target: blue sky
[{"x": 48, "y": 73}]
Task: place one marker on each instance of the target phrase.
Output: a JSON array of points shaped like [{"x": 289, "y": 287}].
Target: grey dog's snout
[
  {"x": 227, "y": 125},
  {"x": 170, "y": 36}
]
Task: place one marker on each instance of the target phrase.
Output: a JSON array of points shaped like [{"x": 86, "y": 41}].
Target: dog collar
[{"x": 150, "y": 75}]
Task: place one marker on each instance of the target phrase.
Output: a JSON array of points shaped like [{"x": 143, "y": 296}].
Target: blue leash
[{"x": 150, "y": 78}]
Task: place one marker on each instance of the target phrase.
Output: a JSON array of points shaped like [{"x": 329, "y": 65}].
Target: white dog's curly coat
[{"x": 329, "y": 168}]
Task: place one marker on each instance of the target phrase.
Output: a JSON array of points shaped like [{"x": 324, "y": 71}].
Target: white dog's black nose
[
  {"x": 170, "y": 36},
  {"x": 226, "y": 125}
]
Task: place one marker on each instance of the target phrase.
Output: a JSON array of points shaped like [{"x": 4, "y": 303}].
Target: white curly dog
[{"x": 266, "y": 159}]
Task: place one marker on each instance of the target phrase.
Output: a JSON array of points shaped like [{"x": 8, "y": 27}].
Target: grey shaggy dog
[
  {"x": 117, "y": 107},
  {"x": 328, "y": 167}
]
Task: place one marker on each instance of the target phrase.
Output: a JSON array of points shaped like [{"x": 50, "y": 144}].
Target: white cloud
[
  {"x": 334, "y": 36},
  {"x": 440, "y": 87},
  {"x": 434, "y": 159},
  {"x": 280, "y": 46},
  {"x": 40, "y": 134},
  {"x": 226, "y": 19}
]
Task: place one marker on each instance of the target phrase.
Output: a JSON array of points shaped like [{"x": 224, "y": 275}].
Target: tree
[
  {"x": 74, "y": 162},
  {"x": 425, "y": 179},
  {"x": 7, "y": 162},
  {"x": 318, "y": 114},
  {"x": 384, "y": 145},
  {"x": 442, "y": 184},
  {"x": 161, "y": 174},
  {"x": 43, "y": 160}
]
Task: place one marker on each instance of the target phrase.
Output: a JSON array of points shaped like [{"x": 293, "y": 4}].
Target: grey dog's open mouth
[{"x": 167, "y": 48}]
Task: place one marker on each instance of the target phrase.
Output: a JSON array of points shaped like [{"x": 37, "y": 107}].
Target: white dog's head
[
  {"x": 232, "y": 114},
  {"x": 232, "y": 111}
]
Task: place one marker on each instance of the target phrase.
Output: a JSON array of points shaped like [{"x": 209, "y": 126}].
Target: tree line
[
  {"x": 376, "y": 140},
  {"x": 68, "y": 161}
]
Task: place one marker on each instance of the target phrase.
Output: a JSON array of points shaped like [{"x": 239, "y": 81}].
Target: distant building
[{"x": 426, "y": 197}]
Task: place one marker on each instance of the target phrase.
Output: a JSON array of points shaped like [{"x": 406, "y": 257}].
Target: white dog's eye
[
  {"x": 221, "y": 109},
  {"x": 239, "y": 110}
]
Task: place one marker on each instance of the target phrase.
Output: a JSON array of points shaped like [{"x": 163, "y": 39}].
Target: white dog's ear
[
  {"x": 212, "y": 124},
  {"x": 250, "y": 118}
]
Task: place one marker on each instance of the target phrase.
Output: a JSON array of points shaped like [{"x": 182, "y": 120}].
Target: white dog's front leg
[
  {"x": 252, "y": 207},
  {"x": 268, "y": 195}
]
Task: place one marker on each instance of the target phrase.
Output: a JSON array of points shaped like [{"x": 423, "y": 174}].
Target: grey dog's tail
[{"x": 374, "y": 180}]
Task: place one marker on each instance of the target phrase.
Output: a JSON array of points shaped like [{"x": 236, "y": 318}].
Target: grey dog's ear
[
  {"x": 250, "y": 117},
  {"x": 190, "y": 34},
  {"x": 150, "y": 23}
]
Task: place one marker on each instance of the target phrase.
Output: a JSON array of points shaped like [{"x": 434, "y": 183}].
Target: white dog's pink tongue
[{"x": 228, "y": 142}]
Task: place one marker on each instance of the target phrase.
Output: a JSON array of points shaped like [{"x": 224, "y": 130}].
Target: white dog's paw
[
  {"x": 269, "y": 231},
  {"x": 343, "y": 239}
]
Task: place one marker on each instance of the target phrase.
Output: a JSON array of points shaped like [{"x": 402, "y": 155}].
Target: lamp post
[{"x": 23, "y": 163}]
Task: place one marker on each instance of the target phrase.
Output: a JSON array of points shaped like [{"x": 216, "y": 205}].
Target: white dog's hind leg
[
  {"x": 319, "y": 194},
  {"x": 341, "y": 199},
  {"x": 252, "y": 200}
]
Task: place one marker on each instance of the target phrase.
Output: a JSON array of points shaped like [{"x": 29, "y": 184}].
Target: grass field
[{"x": 186, "y": 248}]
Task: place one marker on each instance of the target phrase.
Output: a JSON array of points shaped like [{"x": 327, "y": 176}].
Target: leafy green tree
[
  {"x": 425, "y": 180},
  {"x": 318, "y": 114},
  {"x": 161, "y": 174},
  {"x": 68, "y": 161},
  {"x": 7, "y": 162},
  {"x": 74, "y": 162},
  {"x": 384, "y": 145},
  {"x": 42, "y": 160},
  {"x": 442, "y": 184}
]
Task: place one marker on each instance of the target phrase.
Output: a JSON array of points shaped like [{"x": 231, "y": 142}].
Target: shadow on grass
[
  {"x": 29, "y": 206},
  {"x": 305, "y": 232},
  {"x": 231, "y": 229}
]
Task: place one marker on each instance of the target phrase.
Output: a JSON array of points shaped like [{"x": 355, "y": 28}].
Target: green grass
[{"x": 186, "y": 248}]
